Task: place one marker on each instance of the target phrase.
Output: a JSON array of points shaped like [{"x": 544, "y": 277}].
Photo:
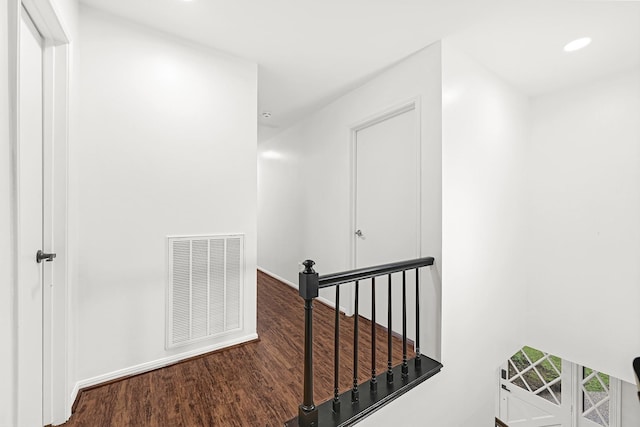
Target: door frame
[
  {"x": 56, "y": 70},
  {"x": 411, "y": 104}
]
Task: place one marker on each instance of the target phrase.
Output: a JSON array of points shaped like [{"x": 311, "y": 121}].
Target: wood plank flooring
[{"x": 255, "y": 384}]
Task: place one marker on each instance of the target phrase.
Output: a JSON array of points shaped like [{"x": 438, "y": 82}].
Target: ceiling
[
  {"x": 523, "y": 42},
  {"x": 310, "y": 52}
]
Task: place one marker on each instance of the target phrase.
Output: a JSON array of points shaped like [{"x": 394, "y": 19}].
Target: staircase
[{"x": 364, "y": 398}]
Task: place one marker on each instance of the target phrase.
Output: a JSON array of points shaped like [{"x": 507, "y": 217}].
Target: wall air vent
[{"x": 205, "y": 287}]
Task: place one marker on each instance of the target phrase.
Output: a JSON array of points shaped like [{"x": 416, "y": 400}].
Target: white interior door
[
  {"x": 30, "y": 220},
  {"x": 386, "y": 207}
]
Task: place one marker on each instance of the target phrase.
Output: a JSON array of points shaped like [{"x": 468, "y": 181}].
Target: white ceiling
[
  {"x": 523, "y": 42},
  {"x": 310, "y": 51}
]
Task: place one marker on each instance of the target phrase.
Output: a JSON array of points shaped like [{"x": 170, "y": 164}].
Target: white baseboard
[
  {"x": 294, "y": 286},
  {"x": 275, "y": 276},
  {"x": 155, "y": 364}
]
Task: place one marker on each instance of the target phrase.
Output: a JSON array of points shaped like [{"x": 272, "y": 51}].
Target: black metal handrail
[
  {"x": 333, "y": 413},
  {"x": 334, "y": 279}
]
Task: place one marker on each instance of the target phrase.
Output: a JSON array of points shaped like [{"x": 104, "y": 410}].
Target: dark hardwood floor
[{"x": 255, "y": 384}]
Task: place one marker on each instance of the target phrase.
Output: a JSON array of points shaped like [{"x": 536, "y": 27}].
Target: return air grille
[{"x": 205, "y": 287}]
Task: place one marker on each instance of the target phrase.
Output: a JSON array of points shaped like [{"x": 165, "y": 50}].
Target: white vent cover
[{"x": 205, "y": 287}]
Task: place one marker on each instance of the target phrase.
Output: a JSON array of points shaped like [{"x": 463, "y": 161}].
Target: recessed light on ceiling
[{"x": 577, "y": 44}]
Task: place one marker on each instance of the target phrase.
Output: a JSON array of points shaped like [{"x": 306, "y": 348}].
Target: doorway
[
  {"x": 386, "y": 206},
  {"x": 39, "y": 203}
]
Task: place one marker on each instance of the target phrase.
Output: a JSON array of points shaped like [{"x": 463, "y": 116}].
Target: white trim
[
  {"x": 155, "y": 364},
  {"x": 47, "y": 20},
  {"x": 574, "y": 388},
  {"x": 323, "y": 300},
  {"x": 498, "y": 399},
  {"x": 195, "y": 236},
  {"x": 615, "y": 402},
  {"x": 14, "y": 11}
]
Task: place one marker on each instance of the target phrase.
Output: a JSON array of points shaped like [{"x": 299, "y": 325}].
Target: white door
[
  {"x": 535, "y": 390},
  {"x": 386, "y": 207},
  {"x": 30, "y": 220},
  {"x": 597, "y": 398},
  {"x": 520, "y": 408}
]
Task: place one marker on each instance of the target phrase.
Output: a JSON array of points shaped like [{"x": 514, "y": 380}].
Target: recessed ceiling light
[
  {"x": 266, "y": 114},
  {"x": 577, "y": 44}
]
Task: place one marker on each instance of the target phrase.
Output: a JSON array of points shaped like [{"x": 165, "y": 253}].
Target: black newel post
[{"x": 308, "y": 288}]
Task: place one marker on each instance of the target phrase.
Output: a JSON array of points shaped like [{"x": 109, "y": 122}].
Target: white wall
[
  {"x": 583, "y": 204},
  {"x": 484, "y": 130},
  {"x": 281, "y": 207},
  {"x": 304, "y": 201},
  {"x": 166, "y": 145}
]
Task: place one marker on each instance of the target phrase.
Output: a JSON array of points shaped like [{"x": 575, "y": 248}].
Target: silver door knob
[{"x": 359, "y": 233}]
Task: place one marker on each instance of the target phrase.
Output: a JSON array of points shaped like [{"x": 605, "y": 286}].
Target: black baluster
[
  {"x": 389, "y": 336},
  {"x": 374, "y": 380},
  {"x": 355, "y": 394},
  {"x": 336, "y": 355},
  {"x": 308, "y": 289},
  {"x": 418, "y": 360},
  {"x": 405, "y": 367}
]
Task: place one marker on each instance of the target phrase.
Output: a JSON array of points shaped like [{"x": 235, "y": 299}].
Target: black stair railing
[{"x": 351, "y": 406}]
